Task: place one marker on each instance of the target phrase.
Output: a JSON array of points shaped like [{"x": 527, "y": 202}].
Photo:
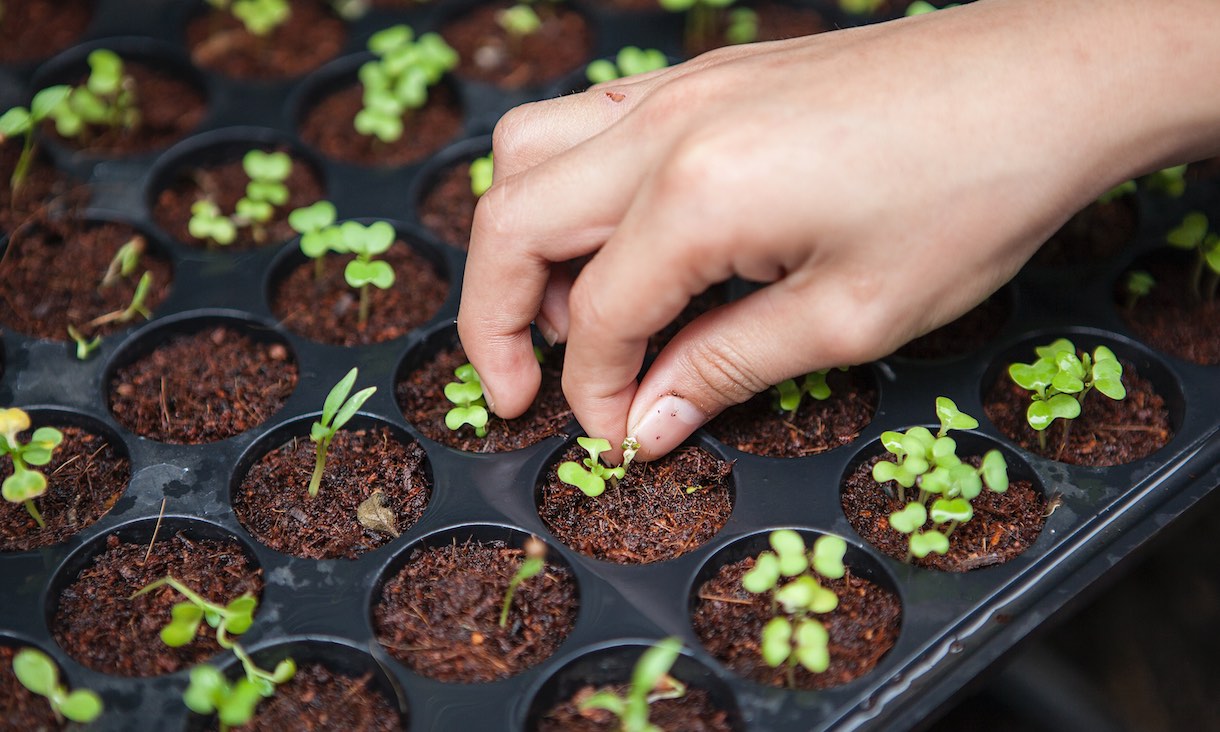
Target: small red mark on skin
[{"x": 616, "y": 97}]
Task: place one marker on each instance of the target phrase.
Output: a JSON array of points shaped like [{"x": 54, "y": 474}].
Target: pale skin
[{"x": 881, "y": 180}]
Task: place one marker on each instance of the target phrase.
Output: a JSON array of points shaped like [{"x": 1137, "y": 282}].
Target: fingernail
[
  {"x": 548, "y": 331},
  {"x": 666, "y": 424},
  {"x": 491, "y": 401}
]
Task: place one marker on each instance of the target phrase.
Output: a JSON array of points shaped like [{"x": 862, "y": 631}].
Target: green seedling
[
  {"x": 1126, "y": 188},
  {"x": 84, "y": 346},
  {"x": 367, "y": 242},
  {"x": 482, "y": 171},
  {"x": 136, "y": 307},
  {"x": 518, "y": 22},
  {"x": 1170, "y": 181},
  {"x": 260, "y": 17},
  {"x": 790, "y": 574},
  {"x": 234, "y": 618},
  {"x": 470, "y": 406},
  {"x": 650, "y": 682},
  {"x": 629, "y": 61},
  {"x": 1137, "y": 284},
  {"x": 210, "y": 692},
  {"x": 26, "y": 484},
  {"x": 1195, "y": 233},
  {"x": 398, "y": 81},
  {"x": 946, "y": 485},
  {"x": 1060, "y": 380},
  {"x": 319, "y": 234},
  {"x": 38, "y": 673},
  {"x": 788, "y": 395},
  {"x": 125, "y": 262},
  {"x": 920, "y": 7},
  {"x": 22, "y": 121},
  {"x": 703, "y": 17},
  {"x": 590, "y": 475},
  {"x": 742, "y": 27},
  {"x": 861, "y": 7},
  {"x": 337, "y": 410},
  {"x": 208, "y": 224},
  {"x": 107, "y": 99},
  {"x": 264, "y": 191},
  {"x": 531, "y": 567}
]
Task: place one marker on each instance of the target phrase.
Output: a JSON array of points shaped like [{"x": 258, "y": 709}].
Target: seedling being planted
[
  {"x": 531, "y": 567},
  {"x": 1195, "y": 233},
  {"x": 319, "y": 235},
  {"x": 481, "y": 172},
  {"x": 265, "y": 191},
  {"x": 337, "y": 410},
  {"x": 590, "y": 475},
  {"x": 629, "y": 61},
  {"x": 107, "y": 99},
  {"x": 790, "y": 574},
  {"x": 366, "y": 242},
  {"x": 22, "y": 121},
  {"x": 1060, "y": 380},
  {"x": 260, "y": 17},
  {"x": 26, "y": 484},
  {"x": 945, "y": 483},
  {"x": 38, "y": 673},
  {"x": 788, "y": 395},
  {"x": 398, "y": 81},
  {"x": 234, "y": 618},
  {"x": 650, "y": 682},
  {"x": 470, "y": 407}
]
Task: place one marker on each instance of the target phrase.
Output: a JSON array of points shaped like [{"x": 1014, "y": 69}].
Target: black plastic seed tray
[{"x": 953, "y": 625}]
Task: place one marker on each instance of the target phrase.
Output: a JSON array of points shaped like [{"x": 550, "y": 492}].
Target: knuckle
[
  {"x": 727, "y": 372},
  {"x": 512, "y": 136}
]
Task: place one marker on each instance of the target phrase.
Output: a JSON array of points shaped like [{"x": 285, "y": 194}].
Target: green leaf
[
  {"x": 45, "y": 101},
  {"x": 396, "y": 36},
  {"x": 353, "y": 405},
  {"x": 474, "y": 415},
  {"x": 464, "y": 394},
  {"x": 812, "y": 645},
  {"x": 16, "y": 121},
  {"x": 185, "y": 624},
  {"x": 884, "y": 470},
  {"x": 23, "y": 485},
  {"x": 378, "y": 273},
  {"x": 595, "y": 446},
  {"x": 790, "y": 549},
  {"x": 386, "y": 128},
  {"x": 273, "y": 192},
  {"x": 945, "y": 510},
  {"x": 482, "y": 172},
  {"x": 965, "y": 483},
  {"x": 927, "y": 542},
  {"x": 106, "y": 72},
  {"x": 252, "y": 210},
  {"x": 910, "y": 518},
  {"x": 36, "y": 671},
  {"x": 653, "y": 665},
  {"x": 1042, "y": 412},
  {"x": 600, "y": 71},
  {"x": 1211, "y": 254},
  {"x": 337, "y": 395},
  {"x": 776, "y": 643},
  {"x": 951, "y": 418},
  {"x": 267, "y": 166},
  {"x": 574, "y": 474},
  {"x": 815, "y": 385},
  {"x": 1051, "y": 351},
  {"x": 995, "y": 471},
  {"x": 892, "y": 442},
  {"x": 1190, "y": 233},
  {"x": 519, "y": 20},
  {"x": 789, "y": 395},
  {"x": 314, "y": 217},
  {"x": 81, "y": 706},
  {"x": 763, "y": 576},
  {"x": 743, "y": 26},
  {"x": 284, "y": 671},
  {"x": 798, "y": 595},
  {"x": 828, "y": 553},
  {"x": 207, "y": 686},
  {"x": 238, "y": 707}
]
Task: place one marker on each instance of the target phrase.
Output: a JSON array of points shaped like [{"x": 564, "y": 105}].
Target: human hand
[{"x": 882, "y": 180}]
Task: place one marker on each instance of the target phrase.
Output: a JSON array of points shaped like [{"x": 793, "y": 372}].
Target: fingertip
[{"x": 662, "y": 423}]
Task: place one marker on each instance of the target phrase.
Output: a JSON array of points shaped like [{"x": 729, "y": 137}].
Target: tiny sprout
[
  {"x": 1126, "y": 188},
  {"x": 319, "y": 235},
  {"x": 743, "y": 26},
  {"x": 337, "y": 410},
  {"x": 650, "y": 682},
  {"x": 481, "y": 172},
  {"x": 234, "y": 618},
  {"x": 106, "y": 99},
  {"x": 22, "y": 121},
  {"x": 1137, "y": 284},
  {"x": 38, "y": 673},
  {"x": 265, "y": 190},
  {"x": 84, "y": 346},
  {"x": 234, "y": 702},
  {"x": 920, "y": 7},
  {"x": 1060, "y": 380},
  {"x": 1194, "y": 233},
  {"x": 366, "y": 242},
  {"x": 398, "y": 81},
  {"x": 860, "y": 7},
  {"x": 470, "y": 406},
  {"x": 208, "y": 224},
  {"x": 629, "y": 61},
  {"x": 1170, "y": 181},
  {"x": 259, "y": 16},
  {"x": 26, "y": 484},
  {"x": 137, "y": 306},
  {"x": 788, "y": 394},
  {"x": 519, "y": 21},
  {"x": 530, "y": 567},
  {"x": 125, "y": 261},
  {"x": 590, "y": 477}
]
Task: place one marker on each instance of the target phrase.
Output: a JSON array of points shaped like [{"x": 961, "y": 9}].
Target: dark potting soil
[
  {"x": 776, "y": 22},
  {"x": 46, "y": 195},
  {"x": 758, "y": 427},
  {"x": 84, "y": 479},
  {"x": 863, "y": 628},
  {"x": 447, "y": 208},
  {"x": 488, "y": 53},
  {"x": 51, "y": 277},
  {"x": 224, "y": 184},
  {"x": 311, "y": 36},
  {"x": 421, "y": 396},
  {"x": 100, "y": 625},
  {"x": 965, "y": 335},
  {"x": 649, "y": 516},
  {"x": 1095, "y": 234},
  {"x": 1004, "y": 524},
  {"x": 169, "y": 108},
  {"x": 328, "y": 127},
  {"x": 274, "y": 505},
  {"x": 1171, "y": 318},
  {"x": 1107, "y": 432},
  {"x": 318, "y": 699},
  {"x": 21, "y": 709},
  {"x": 36, "y": 29},
  {"x": 440, "y": 614},
  {"x": 202, "y": 387},
  {"x": 328, "y": 310},
  {"x": 709, "y": 299},
  {"x": 692, "y": 712}
]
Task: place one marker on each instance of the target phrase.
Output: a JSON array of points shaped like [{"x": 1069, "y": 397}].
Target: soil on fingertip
[
  {"x": 329, "y": 127},
  {"x": 1171, "y": 318},
  {"x": 328, "y": 309},
  {"x": 659, "y": 510},
  {"x": 104, "y": 628},
  {"x": 274, "y": 505},
  {"x": 965, "y": 335},
  {"x": 1096, "y": 234},
  {"x": 311, "y": 36},
  {"x": 776, "y": 22},
  {"x": 51, "y": 277},
  {"x": 1107, "y": 432},
  {"x": 757, "y": 426},
  {"x": 223, "y": 184},
  {"x": 447, "y": 208},
  {"x": 421, "y": 396},
  {"x": 440, "y": 613},
  {"x": 202, "y": 387},
  {"x": 488, "y": 53},
  {"x": 85, "y": 477},
  {"x": 20, "y": 708},
  {"x": 691, "y": 712},
  {"x": 38, "y": 29},
  {"x": 729, "y": 621},
  {"x": 1004, "y": 524}
]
